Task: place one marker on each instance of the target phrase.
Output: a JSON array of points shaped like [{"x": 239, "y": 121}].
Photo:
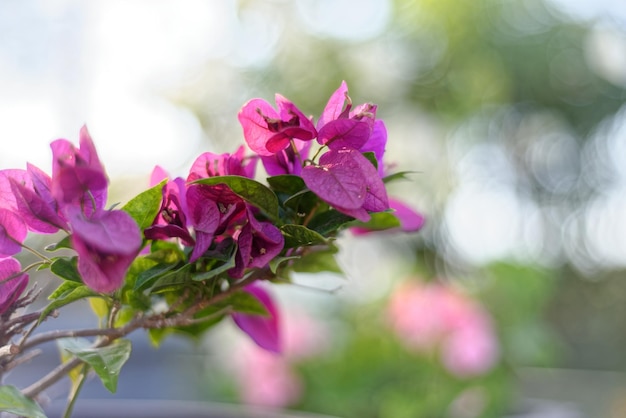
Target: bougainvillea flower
[
  {"x": 204, "y": 216},
  {"x": 35, "y": 204},
  {"x": 258, "y": 243},
  {"x": 348, "y": 181},
  {"x": 410, "y": 220},
  {"x": 7, "y": 197},
  {"x": 78, "y": 177},
  {"x": 12, "y": 233},
  {"x": 376, "y": 144},
  {"x": 268, "y": 131},
  {"x": 287, "y": 161},
  {"x": 209, "y": 164},
  {"x": 12, "y": 282},
  {"x": 264, "y": 330},
  {"x": 171, "y": 222},
  {"x": 339, "y": 126},
  {"x": 106, "y": 243}
]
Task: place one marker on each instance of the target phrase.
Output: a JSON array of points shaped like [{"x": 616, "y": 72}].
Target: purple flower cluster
[
  {"x": 222, "y": 222},
  {"x": 72, "y": 199},
  {"x": 215, "y": 214},
  {"x": 343, "y": 177}
]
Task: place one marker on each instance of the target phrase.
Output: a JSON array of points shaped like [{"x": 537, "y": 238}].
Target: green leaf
[
  {"x": 157, "y": 335},
  {"x": 173, "y": 279},
  {"x": 277, "y": 261},
  {"x": 302, "y": 202},
  {"x": 12, "y": 400},
  {"x": 244, "y": 302},
  {"x": 372, "y": 158},
  {"x": 219, "y": 269},
  {"x": 145, "y": 207},
  {"x": 299, "y": 235},
  {"x": 66, "y": 269},
  {"x": 149, "y": 276},
  {"x": 329, "y": 221},
  {"x": 69, "y": 296},
  {"x": 64, "y": 289},
  {"x": 64, "y": 243},
  {"x": 250, "y": 190},
  {"x": 165, "y": 252},
  {"x": 286, "y": 183},
  {"x": 402, "y": 175},
  {"x": 379, "y": 221},
  {"x": 105, "y": 361},
  {"x": 314, "y": 262}
]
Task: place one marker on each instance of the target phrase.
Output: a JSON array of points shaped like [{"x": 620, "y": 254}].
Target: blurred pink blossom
[
  {"x": 268, "y": 379},
  {"x": 265, "y": 378},
  {"x": 433, "y": 316}
]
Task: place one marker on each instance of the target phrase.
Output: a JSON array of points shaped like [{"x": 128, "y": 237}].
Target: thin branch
[
  {"x": 51, "y": 378},
  {"x": 109, "y": 335},
  {"x": 57, "y": 334},
  {"x": 24, "y": 358},
  {"x": 9, "y": 350},
  {"x": 22, "y": 320}
]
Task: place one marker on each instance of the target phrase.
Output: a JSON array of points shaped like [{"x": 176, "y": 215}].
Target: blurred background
[{"x": 511, "y": 115}]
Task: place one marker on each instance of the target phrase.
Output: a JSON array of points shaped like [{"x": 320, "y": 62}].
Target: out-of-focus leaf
[
  {"x": 222, "y": 264},
  {"x": 12, "y": 401},
  {"x": 252, "y": 191},
  {"x": 64, "y": 243},
  {"x": 147, "y": 277},
  {"x": 276, "y": 262},
  {"x": 243, "y": 302},
  {"x": 286, "y": 183},
  {"x": 402, "y": 175},
  {"x": 77, "y": 293},
  {"x": 379, "y": 221},
  {"x": 328, "y": 221},
  {"x": 99, "y": 306},
  {"x": 66, "y": 269},
  {"x": 173, "y": 279},
  {"x": 314, "y": 262},
  {"x": 299, "y": 235},
  {"x": 371, "y": 158},
  {"x": 105, "y": 361},
  {"x": 165, "y": 252},
  {"x": 144, "y": 207}
]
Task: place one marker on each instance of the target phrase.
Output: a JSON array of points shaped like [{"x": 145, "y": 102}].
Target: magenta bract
[
  {"x": 258, "y": 243},
  {"x": 11, "y": 289},
  {"x": 204, "y": 216},
  {"x": 12, "y": 233},
  {"x": 171, "y": 222},
  {"x": 264, "y": 330},
  {"x": 349, "y": 182},
  {"x": 7, "y": 198},
  {"x": 376, "y": 144},
  {"x": 209, "y": 164},
  {"x": 268, "y": 131},
  {"x": 38, "y": 212},
  {"x": 78, "y": 177},
  {"x": 340, "y": 127},
  {"x": 410, "y": 220},
  {"x": 106, "y": 243},
  {"x": 287, "y": 161}
]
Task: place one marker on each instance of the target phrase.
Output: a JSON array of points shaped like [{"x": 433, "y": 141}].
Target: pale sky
[{"x": 106, "y": 63}]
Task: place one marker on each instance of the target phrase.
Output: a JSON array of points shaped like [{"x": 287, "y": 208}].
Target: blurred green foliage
[{"x": 520, "y": 75}]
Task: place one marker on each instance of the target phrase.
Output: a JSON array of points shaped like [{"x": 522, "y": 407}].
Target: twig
[
  {"x": 109, "y": 335},
  {"x": 57, "y": 334},
  {"x": 9, "y": 350},
  {"x": 25, "y": 358}
]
